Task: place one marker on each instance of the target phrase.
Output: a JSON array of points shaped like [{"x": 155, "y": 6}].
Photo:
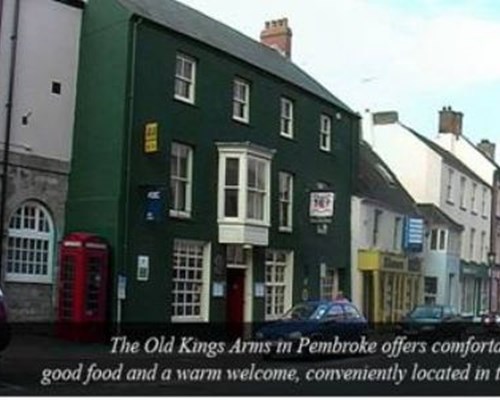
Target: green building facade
[{"x": 195, "y": 152}]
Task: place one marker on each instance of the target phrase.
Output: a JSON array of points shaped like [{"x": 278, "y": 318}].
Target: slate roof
[
  {"x": 433, "y": 213},
  {"x": 198, "y": 26},
  {"x": 448, "y": 157},
  {"x": 377, "y": 182}
]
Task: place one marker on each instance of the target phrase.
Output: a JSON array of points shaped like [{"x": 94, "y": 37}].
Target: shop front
[
  {"x": 475, "y": 282},
  {"x": 391, "y": 284}
]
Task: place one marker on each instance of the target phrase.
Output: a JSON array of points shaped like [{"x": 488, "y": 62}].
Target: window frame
[
  {"x": 285, "y": 204},
  {"x": 287, "y": 119},
  {"x": 473, "y": 202},
  {"x": 472, "y": 244},
  {"x": 463, "y": 185},
  {"x": 484, "y": 202},
  {"x": 27, "y": 235},
  {"x": 188, "y": 181},
  {"x": 204, "y": 282},
  {"x": 190, "y": 81},
  {"x": 243, "y": 152},
  {"x": 325, "y": 133},
  {"x": 272, "y": 261},
  {"x": 449, "y": 186},
  {"x": 245, "y": 102},
  {"x": 440, "y": 238}
]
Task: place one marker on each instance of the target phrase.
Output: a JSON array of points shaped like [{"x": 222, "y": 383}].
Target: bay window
[{"x": 244, "y": 192}]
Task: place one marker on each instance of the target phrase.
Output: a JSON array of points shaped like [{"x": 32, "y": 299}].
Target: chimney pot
[
  {"x": 278, "y": 36},
  {"x": 385, "y": 117},
  {"x": 487, "y": 148},
  {"x": 450, "y": 121}
]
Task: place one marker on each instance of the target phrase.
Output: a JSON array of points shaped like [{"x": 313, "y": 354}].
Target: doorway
[{"x": 235, "y": 302}]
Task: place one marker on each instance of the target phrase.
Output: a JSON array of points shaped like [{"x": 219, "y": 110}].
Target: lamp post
[{"x": 491, "y": 264}]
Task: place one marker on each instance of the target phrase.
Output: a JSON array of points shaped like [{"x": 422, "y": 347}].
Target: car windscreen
[
  {"x": 426, "y": 312},
  {"x": 301, "y": 312}
]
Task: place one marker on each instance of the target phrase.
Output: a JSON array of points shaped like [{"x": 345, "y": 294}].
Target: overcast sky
[{"x": 413, "y": 56}]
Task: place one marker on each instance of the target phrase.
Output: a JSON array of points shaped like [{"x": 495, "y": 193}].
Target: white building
[
  {"x": 481, "y": 159},
  {"x": 436, "y": 178},
  {"x": 39, "y": 46},
  {"x": 386, "y": 273}
]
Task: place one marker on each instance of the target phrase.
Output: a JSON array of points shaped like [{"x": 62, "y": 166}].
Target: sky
[{"x": 410, "y": 56}]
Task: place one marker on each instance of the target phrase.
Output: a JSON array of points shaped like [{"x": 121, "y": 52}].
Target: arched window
[{"x": 30, "y": 247}]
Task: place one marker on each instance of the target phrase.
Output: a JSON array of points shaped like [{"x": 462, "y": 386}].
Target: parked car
[
  {"x": 4, "y": 324},
  {"x": 318, "y": 320},
  {"x": 490, "y": 321},
  {"x": 432, "y": 320}
]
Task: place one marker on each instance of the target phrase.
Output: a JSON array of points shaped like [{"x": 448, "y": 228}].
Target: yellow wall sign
[{"x": 151, "y": 138}]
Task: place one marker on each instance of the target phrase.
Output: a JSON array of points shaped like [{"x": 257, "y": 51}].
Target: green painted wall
[
  {"x": 209, "y": 121},
  {"x": 100, "y": 187},
  {"x": 96, "y": 182}
]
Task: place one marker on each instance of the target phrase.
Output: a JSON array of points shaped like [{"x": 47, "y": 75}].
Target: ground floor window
[
  {"x": 328, "y": 288},
  {"x": 30, "y": 245},
  {"x": 190, "y": 281},
  {"x": 430, "y": 289},
  {"x": 279, "y": 273}
]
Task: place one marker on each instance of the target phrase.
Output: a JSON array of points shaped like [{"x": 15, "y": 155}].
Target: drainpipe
[
  {"x": 130, "y": 121},
  {"x": 8, "y": 125}
]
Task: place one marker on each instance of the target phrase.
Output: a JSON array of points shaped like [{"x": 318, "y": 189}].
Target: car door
[
  {"x": 355, "y": 323},
  {"x": 333, "y": 322}
]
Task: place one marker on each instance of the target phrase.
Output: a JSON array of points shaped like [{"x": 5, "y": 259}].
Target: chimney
[
  {"x": 278, "y": 36},
  {"x": 385, "y": 117},
  {"x": 450, "y": 121},
  {"x": 487, "y": 148}
]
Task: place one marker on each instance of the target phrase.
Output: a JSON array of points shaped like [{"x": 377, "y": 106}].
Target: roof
[
  {"x": 448, "y": 157},
  {"x": 202, "y": 28},
  {"x": 493, "y": 162},
  {"x": 377, "y": 182},
  {"x": 433, "y": 213}
]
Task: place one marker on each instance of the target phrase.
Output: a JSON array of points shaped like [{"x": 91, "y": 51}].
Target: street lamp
[{"x": 491, "y": 264}]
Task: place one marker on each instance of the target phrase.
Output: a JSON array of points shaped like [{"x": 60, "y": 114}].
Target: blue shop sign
[
  {"x": 414, "y": 234},
  {"x": 155, "y": 204}
]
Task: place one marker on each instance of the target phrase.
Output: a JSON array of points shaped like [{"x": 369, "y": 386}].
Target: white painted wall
[
  {"x": 48, "y": 46},
  {"x": 415, "y": 165},
  {"x": 362, "y": 226},
  {"x": 468, "y": 154},
  {"x": 466, "y": 216}
]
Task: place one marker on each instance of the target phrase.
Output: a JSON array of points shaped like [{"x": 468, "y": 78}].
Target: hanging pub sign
[
  {"x": 321, "y": 205},
  {"x": 154, "y": 204}
]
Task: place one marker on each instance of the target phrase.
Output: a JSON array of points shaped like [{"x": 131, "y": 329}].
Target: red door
[{"x": 235, "y": 300}]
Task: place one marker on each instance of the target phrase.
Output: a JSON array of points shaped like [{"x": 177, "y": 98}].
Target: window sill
[
  {"x": 184, "y": 100},
  {"x": 284, "y": 229},
  {"x": 242, "y": 120},
  {"x": 325, "y": 150},
  {"x": 187, "y": 320},
  {"x": 474, "y": 212},
  {"x": 179, "y": 214},
  {"x": 25, "y": 278},
  {"x": 450, "y": 202},
  {"x": 463, "y": 208},
  {"x": 287, "y": 136}
]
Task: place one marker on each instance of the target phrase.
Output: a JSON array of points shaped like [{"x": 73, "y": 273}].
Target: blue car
[{"x": 318, "y": 320}]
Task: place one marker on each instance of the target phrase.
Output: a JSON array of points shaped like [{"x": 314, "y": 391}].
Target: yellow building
[{"x": 391, "y": 284}]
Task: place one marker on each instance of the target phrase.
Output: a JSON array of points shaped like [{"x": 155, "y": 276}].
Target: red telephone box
[{"x": 82, "y": 287}]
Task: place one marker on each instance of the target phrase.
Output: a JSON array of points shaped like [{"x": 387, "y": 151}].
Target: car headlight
[{"x": 295, "y": 335}]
